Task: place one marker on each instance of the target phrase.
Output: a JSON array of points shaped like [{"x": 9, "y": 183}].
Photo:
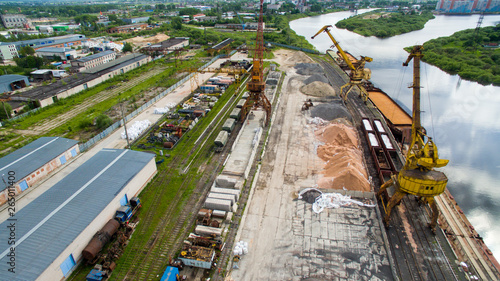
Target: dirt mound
[
  {"x": 344, "y": 167},
  {"x": 308, "y": 68},
  {"x": 318, "y": 89},
  {"x": 316, "y": 77},
  {"x": 330, "y": 111}
]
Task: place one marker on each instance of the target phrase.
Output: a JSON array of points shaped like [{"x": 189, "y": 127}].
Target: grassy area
[
  {"x": 383, "y": 24},
  {"x": 473, "y": 56}
]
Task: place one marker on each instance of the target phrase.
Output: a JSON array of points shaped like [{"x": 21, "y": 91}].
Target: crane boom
[{"x": 358, "y": 70}]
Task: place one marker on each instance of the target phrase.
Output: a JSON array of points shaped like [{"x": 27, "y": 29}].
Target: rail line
[
  {"x": 149, "y": 259},
  {"x": 418, "y": 254}
]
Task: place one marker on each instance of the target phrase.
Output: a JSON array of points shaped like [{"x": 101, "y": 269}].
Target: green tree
[
  {"x": 127, "y": 47},
  {"x": 103, "y": 121},
  {"x": 176, "y": 23},
  {"x": 5, "y": 111},
  {"x": 26, "y": 51}
]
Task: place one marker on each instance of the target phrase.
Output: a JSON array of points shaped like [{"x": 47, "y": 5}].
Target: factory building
[
  {"x": 92, "y": 60},
  {"x": 49, "y": 94},
  {"x": 52, "y": 231},
  {"x": 58, "y": 42},
  {"x": 33, "y": 162},
  {"x": 15, "y": 20},
  {"x": 168, "y": 46},
  {"x": 53, "y": 52},
  {"x": 12, "y": 82}
]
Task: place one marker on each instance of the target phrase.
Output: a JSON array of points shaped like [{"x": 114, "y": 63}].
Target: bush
[
  {"x": 84, "y": 123},
  {"x": 103, "y": 121}
]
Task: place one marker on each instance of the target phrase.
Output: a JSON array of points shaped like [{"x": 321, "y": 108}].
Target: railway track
[
  {"x": 418, "y": 253},
  {"x": 148, "y": 259}
]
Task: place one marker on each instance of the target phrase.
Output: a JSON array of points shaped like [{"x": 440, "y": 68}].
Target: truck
[{"x": 125, "y": 213}]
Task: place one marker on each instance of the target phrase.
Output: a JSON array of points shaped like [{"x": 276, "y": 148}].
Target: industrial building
[
  {"x": 53, "y": 52},
  {"x": 47, "y": 74},
  {"x": 468, "y": 6},
  {"x": 52, "y": 230},
  {"x": 127, "y": 28},
  {"x": 136, "y": 20},
  {"x": 35, "y": 161},
  {"x": 49, "y": 94},
  {"x": 15, "y": 20},
  {"x": 8, "y": 52},
  {"x": 12, "y": 82},
  {"x": 169, "y": 45},
  {"x": 58, "y": 41},
  {"x": 92, "y": 61},
  {"x": 224, "y": 45}
]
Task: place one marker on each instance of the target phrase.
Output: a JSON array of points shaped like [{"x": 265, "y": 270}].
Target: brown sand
[{"x": 344, "y": 161}]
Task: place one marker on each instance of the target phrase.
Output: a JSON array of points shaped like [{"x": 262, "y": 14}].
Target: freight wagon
[
  {"x": 241, "y": 103},
  {"x": 218, "y": 204},
  {"x": 221, "y": 140},
  {"x": 235, "y": 114},
  {"x": 229, "y": 125}
]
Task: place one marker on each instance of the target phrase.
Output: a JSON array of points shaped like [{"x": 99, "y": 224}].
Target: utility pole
[{"x": 125, "y": 125}]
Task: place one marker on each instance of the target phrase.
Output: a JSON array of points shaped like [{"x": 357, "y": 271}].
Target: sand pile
[
  {"x": 318, "y": 89},
  {"x": 344, "y": 161}
]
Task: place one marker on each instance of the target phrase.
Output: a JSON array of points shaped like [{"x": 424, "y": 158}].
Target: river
[{"x": 463, "y": 116}]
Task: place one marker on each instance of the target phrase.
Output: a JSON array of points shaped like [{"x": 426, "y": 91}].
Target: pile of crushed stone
[
  {"x": 316, "y": 77},
  {"x": 318, "y": 89},
  {"x": 330, "y": 111},
  {"x": 308, "y": 68}
]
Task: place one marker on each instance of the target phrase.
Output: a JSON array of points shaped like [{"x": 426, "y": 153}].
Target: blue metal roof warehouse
[
  {"x": 34, "y": 155},
  {"x": 51, "y": 231}
]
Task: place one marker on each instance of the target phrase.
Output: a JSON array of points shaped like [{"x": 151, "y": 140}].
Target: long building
[
  {"x": 93, "y": 60},
  {"x": 51, "y": 232},
  {"x": 34, "y": 162},
  {"x": 58, "y": 41},
  {"x": 468, "y": 6}
]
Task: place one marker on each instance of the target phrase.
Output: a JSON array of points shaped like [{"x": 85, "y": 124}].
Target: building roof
[
  {"x": 41, "y": 71},
  {"x": 29, "y": 158},
  {"x": 54, "y": 50},
  {"x": 47, "y": 41},
  {"x": 9, "y": 78},
  {"x": 170, "y": 42},
  {"x": 223, "y": 44},
  {"x": 42, "y": 92},
  {"x": 94, "y": 56},
  {"x": 51, "y": 222}
]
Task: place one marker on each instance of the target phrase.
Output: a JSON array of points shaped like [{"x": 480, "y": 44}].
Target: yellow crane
[
  {"x": 418, "y": 176},
  {"x": 358, "y": 71}
]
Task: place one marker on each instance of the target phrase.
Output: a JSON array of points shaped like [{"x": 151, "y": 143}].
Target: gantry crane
[
  {"x": 257, "y": 85},
  {"x": 418, "y": 176},
  {"x": 358, "y": 71}
]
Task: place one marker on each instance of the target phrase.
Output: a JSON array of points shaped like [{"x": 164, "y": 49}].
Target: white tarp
[
  {"x": 165, "y": 109},
  {"x": 136, "y": 129},
  {"x": 332, "y": 200}
]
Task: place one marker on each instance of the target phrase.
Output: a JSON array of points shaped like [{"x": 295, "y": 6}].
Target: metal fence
[
  {"x": 118, "y": 124},
  {"x": 294, "y": 48}
]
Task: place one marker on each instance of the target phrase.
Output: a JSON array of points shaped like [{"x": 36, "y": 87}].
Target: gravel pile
[
  {"x": 316, "y": 77},
  {"x": 308, "y": 68},
  {"x": 330, "y": 111},
  {"x": 318, "y": 89}
]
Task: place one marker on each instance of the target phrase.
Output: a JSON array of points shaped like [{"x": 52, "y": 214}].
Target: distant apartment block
[
  {"x": 8, "y": 52},
  {"x": 468, "y": 6},
  {"x": 15, "y": 21},
  {"x": 92, "y": 61}
]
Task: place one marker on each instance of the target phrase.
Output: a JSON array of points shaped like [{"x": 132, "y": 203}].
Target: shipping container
[
  {"x": 218, "y": 204},
  {"x": 221, "y": 139},
  {"x": 229, "y": 125},
  {"x": 219, "y": 214},
  {"x": 226, "y": 191},
  {"x": 208, "y": 230},
  {"x": 170, "y": 274},
  {"x": 225, "y": 196},
  {"x": 235, "y": 114}
]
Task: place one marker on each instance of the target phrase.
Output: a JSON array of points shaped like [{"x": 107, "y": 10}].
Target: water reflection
[{"x": 461, "y": 115}]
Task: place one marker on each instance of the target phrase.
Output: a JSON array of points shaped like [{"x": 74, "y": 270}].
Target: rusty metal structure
[{"x": 257, "y": 85}]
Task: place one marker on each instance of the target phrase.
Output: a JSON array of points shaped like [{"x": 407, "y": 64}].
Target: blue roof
[
  {"x": 29, "y": 158},
  {"x": 9, "y": 78},
  {"x": 51, "y": 222},
  {"x": 170, "y": 274}
]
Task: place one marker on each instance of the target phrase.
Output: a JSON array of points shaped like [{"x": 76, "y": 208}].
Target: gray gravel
[
  {"x": 308, "y": 68},
  {"x": 316, "y": 77},
  {"x": 330, "y": 111}
]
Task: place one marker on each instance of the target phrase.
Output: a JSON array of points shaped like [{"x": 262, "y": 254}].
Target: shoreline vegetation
[
  {"x": 383, "y": 24},
  {"x": 474, "y": 56}
]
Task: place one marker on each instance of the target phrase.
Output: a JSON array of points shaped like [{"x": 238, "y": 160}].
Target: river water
[{"x": 462, "y": 116}]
